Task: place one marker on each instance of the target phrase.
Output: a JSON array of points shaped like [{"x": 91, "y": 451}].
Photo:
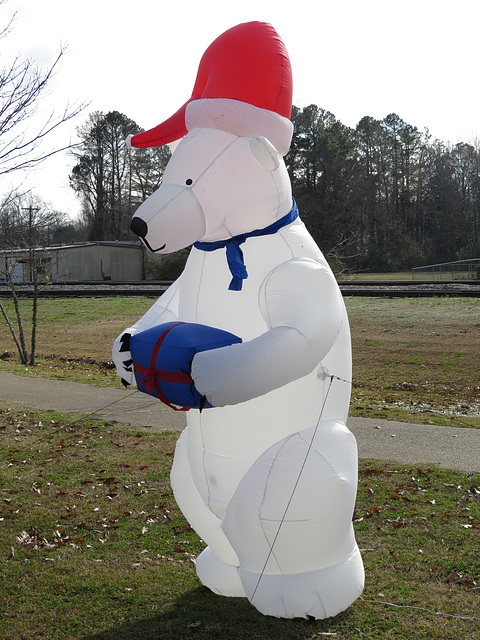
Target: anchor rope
[{"x": 74, "y": 422}]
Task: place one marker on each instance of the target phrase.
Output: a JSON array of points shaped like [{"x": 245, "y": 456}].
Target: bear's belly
[{"x": 223, "y": 443}]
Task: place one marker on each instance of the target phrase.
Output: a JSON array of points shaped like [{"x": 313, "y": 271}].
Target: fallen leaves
[
  {"x": 35, "y": 540},
  {"x": 89, "y": 488},
  {"x": 461, "y": 579}
]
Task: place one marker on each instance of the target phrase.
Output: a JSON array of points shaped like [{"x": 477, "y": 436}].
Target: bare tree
[
  {"x": 25, "y": 220},
  {"x": 25, "y": 226},
  {"x": 22, "y": 133},
  {"x": 111, "y": 179}
]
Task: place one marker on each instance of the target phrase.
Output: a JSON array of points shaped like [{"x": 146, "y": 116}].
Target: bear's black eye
[{"x": 188, "y": 182}]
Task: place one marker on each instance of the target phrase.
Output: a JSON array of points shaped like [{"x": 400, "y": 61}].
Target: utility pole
[{"x": 31, "y": 251}]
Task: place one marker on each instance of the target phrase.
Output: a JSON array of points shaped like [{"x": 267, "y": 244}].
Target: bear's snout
[{"x": 139, "y": 227}]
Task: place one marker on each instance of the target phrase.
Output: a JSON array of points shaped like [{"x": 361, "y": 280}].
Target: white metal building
[{"x": 120, "y": 261}]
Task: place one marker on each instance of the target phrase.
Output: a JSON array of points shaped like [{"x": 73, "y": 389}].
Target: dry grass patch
[{"x": 417, "y": 356}]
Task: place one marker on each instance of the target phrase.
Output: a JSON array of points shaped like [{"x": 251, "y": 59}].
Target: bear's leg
[
  {"x": 217, "y": 565},
  {"x": 319, "y": 594},
  {"x": 290, "y": 523},
  {"x": 218, "y": 576}
]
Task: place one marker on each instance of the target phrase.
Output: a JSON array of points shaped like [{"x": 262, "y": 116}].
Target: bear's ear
[
  {"x": 265, "y": 153},
  {"x": 173, "y": 145}
]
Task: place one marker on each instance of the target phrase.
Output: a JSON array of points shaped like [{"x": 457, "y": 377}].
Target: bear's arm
[{"x": 303, "y": 310}]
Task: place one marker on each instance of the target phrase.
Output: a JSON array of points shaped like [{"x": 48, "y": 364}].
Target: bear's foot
[
  {"x": 319, "y": 594},
  {"x": 219, "y": 577}
]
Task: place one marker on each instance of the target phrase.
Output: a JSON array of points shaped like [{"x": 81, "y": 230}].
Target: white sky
[{"x": 417, "y": 58}]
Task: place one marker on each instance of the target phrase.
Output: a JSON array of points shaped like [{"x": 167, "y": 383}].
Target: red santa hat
[{"x": 243, "y": 85}]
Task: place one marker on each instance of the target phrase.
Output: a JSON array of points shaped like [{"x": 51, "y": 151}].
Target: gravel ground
[{"x": 155, "y": 288}]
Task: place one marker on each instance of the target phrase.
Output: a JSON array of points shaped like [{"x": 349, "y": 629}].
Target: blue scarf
[{"x": 235, "y": 253}]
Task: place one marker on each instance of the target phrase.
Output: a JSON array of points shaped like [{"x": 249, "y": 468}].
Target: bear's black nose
[{"x": 139, "y": 227}]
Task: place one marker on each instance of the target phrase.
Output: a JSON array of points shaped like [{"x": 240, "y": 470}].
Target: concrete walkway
[{"x": 448, "y": 447}]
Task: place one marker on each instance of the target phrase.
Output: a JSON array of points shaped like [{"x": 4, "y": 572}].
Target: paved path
[{"x": 448, "y": 447}]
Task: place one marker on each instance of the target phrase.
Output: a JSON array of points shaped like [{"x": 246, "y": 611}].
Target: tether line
[{"x": 71, "y": 424}]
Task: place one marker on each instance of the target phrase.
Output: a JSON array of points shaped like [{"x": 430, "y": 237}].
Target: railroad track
[{"x": 155, "y": 289}]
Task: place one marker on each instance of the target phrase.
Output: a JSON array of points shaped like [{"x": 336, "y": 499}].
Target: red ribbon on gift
[{"x": 151, "y": 375}]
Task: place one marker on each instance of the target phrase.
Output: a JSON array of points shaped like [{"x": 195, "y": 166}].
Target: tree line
[
  {"x": 382, "y": 196},
  {"x": 385, "y": 196}
]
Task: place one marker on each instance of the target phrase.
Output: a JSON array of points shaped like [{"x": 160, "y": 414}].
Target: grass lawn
[
  {"x": 414, "y": 359},
  {"x": 93, "y": 547},
  {"x": 379, "y": 277}
]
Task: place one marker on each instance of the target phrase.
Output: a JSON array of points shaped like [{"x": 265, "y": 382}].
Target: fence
[{"x": 459, "y": 270}]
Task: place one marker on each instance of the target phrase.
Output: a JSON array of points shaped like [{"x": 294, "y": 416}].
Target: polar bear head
[
  {"x": 216, "y": 185},
  {"x": 227, "y": 176}
]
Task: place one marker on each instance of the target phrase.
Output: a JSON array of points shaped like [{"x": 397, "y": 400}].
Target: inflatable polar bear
[{"x": 268, "y": 476}]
